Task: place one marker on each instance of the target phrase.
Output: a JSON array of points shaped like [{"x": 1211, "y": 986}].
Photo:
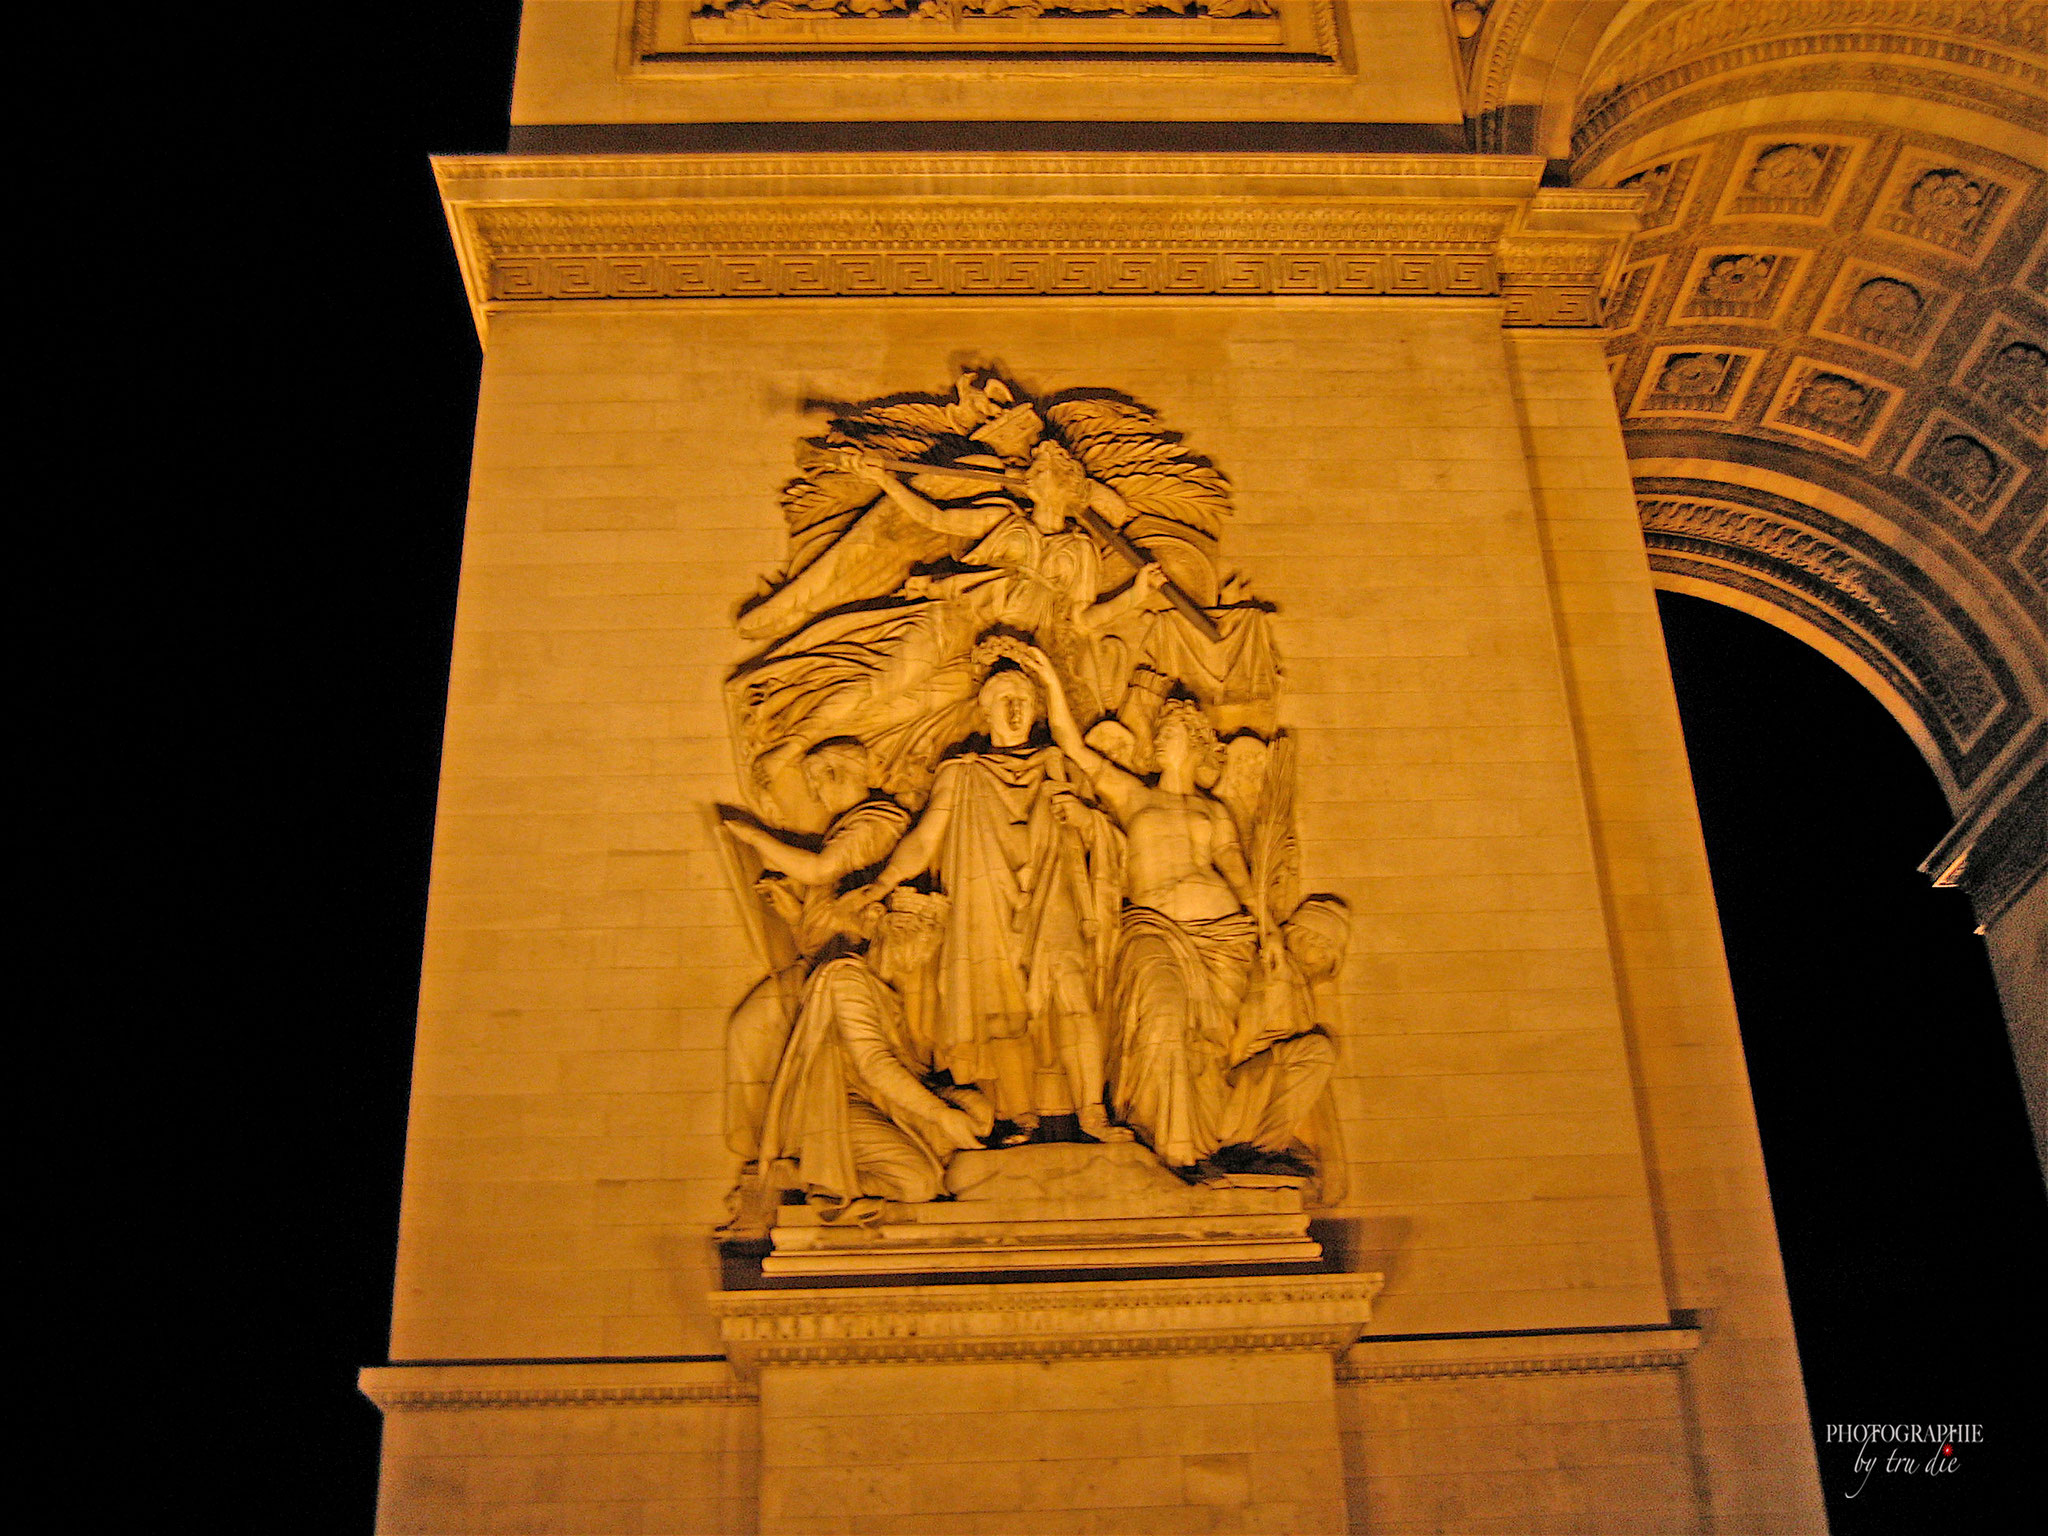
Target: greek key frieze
[
  {"x": 868, "y": 274},
  {"x": 1531, "y": 303}
]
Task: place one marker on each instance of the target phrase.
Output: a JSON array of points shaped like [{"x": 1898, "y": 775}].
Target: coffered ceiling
[{"x": 1829, "y": 341}]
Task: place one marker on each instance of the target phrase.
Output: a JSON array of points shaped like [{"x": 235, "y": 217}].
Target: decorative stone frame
[
  {"x": 1783, "y": 413},
  {"x": 1788, "y": 271},
  {"x": 1665, "y": 205},
  {"x": 1833, "y": 318},
  {"x": 1843, "y": 157},
  {"x": 2001, "y": 330},
  {"x": 1891, "y": 219},
  {"x": 2036, "y": 280},
  {"x": 1979, "y": 510},
  {"x": 670, "y": 36},
  {"x": 1743, "y": 366},
  {"x": 1628, "y": 300}
]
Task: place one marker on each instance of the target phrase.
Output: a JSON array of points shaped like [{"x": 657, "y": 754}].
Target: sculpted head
[
  {"x": 1182, "y": 736},
  {"x": 1317, "y": 935},
  {"x": 838, "y": 773},
  {"x": 1010, "y": 706},
  {"x": 1058, "y": 486}
]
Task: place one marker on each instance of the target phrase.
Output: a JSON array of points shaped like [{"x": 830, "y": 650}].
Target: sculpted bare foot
[{"x": 1095, "y": 1122}]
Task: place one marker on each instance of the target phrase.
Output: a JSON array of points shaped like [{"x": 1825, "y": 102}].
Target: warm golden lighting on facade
[{"x": 1066, "y": 894}]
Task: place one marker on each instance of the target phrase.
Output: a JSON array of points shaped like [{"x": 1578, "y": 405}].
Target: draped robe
[
  {"x": 900, "y": 674},
  {"x": 842, "y": 1110},
  {"x": 1030, "y": 896}
]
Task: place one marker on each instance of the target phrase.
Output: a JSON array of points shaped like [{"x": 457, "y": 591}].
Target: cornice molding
[
  {"x": 444, "y": 1398},
  {"x": 1784, "y": 542},
  {"x": 1567, "y": 1365},
  {"x": 548, "y": 228},
  {"x": 2000, "y": 847},
  {"x": 1605, "y": 128},
  {"x": 1081, "y": 174},
  {"x": 1661, "y": 40},
  {"x": 870, "y": 1325},
  {"x": 1866, "y": 596},
  {"x": 583, "y": 1384},
  {"x": 1578, "y": 1352}
]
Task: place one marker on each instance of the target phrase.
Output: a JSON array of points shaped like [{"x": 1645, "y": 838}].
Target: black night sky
[{"x": 1910, "y": 1207}]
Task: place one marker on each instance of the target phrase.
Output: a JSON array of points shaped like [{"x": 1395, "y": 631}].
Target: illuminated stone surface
[{"x": 1552, "y": 1299}]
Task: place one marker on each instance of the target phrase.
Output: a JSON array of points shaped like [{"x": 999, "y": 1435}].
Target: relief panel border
[
  {"x": 1051, "y": 272},
  {"x": 1865, "y": 596},
  {"x": 1288, "y": 38}
]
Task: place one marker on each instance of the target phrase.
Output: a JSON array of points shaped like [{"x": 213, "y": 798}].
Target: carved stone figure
[
  {"x": 971, "y": 926},
  {"x": 1032, "y": 873},
  {"x": 1280, "y": 1103},
  {"x": 1213, "y": 1045},
  {"x": 825, "y": 1079},
  {"x": 893, "y": 581}
]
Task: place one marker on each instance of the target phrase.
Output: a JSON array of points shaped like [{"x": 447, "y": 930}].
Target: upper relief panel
[
  {"x": 671, "y": 31},
  {"x": 754, "y": 61}
]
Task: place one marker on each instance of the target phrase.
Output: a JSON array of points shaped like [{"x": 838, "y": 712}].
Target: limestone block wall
[
  {"x": 1520, "y": 1455},
  {"x": 1541, "y": 1092},
  {"x": 1224, "y": 1443},
  {"x": 566, "y": 1167},
  {"x": 671, "y": 1449},
  {"x": 1698, "y": 1124}
]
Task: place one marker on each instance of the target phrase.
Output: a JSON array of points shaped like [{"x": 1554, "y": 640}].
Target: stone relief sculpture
[
  {"x": 1018, "y": 852},
  {"x": 1203, "y": 982},
  {"x": 1034, "y": 872},
  {"x": 825, "y": 1069}
]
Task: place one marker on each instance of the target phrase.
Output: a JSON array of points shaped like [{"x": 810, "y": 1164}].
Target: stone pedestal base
[
  {"x": 1057, "y": 1206},
  {"x": 1154, "y": 1405}
]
